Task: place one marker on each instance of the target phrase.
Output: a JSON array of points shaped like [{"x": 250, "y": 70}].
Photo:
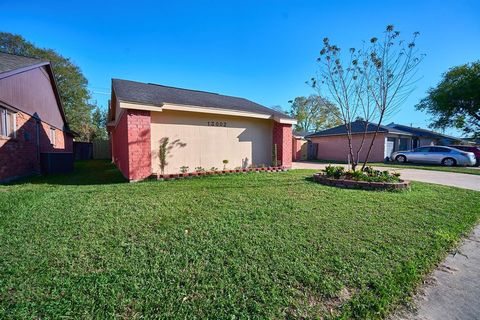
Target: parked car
[
  {"x": 436, "y": 155},
  {"x": 475, "y": 150}
]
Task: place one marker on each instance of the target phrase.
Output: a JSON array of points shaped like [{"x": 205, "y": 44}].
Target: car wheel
[
  {"x": 401, "y": 159},
  {"x": 449, "y": 162}
]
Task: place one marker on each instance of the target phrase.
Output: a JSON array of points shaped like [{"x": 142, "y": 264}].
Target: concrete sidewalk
[
  {"x": 453, "y": 179},
  {"x": 454, "y": 289}
]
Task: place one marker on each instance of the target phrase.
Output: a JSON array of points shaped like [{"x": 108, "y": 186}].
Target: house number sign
[{"x": 217, "y": 123}]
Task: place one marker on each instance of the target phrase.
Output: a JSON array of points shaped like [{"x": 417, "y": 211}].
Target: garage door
[{"x": 389, "y": 147}]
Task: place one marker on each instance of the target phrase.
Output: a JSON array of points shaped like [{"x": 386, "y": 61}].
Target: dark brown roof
[{"x": 154, "y": 94}]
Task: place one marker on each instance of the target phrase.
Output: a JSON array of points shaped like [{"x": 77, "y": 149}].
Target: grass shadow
[{"x": 86, "y": 172}]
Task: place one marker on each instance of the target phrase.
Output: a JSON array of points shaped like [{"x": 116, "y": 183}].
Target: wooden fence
[{"x": 101, "y": 149}]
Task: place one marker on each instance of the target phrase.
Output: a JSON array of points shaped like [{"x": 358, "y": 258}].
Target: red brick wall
[
  {"x": 139, "y": 154},
  {"x": 19, "y": 155},
  {"x": 297, "y": 149},
  {"x": 336, "y": 147},
  {"x": 282, "y": 137},
  {"x": 119, "y": 141},
  {"x": 131, "y": 145}
]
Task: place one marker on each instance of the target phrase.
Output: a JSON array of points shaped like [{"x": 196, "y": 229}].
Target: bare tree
[
  {"x": 392, "y": 74},
  {"x": 368, "y": 83}
]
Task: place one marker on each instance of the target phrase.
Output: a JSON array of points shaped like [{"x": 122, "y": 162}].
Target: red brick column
[
  {"x": 139, "y": 147},
  {"x": 282, "y": 137}
]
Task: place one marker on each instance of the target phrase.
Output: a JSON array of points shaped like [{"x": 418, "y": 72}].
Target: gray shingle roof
[
  {"x": 357, "y": 127},
  {"x": 421, "y": 132},
  {"x": 154, "y": 94},
  {"x": 10, "y": 62}
]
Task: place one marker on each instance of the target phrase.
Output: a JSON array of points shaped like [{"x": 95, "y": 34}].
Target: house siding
[
  {"x": 31, "y": 96},
  {"x": 130, "y": 142},
  {"x": 19, "y": 156},
  {"x": 282, "y": 137},
  {"x": 32, "y": 93},
  {"x": 242, "y": 141},
  {"x": 335, "y": 148}
]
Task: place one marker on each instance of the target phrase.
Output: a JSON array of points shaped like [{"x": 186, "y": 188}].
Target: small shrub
[
  {"x": 184, "y": 169},
  {"x": 225, "y": 162},
  {"x": 199, "y": 169},
  {"x": 368, "y": 174},
  {"x": 334, "y": 171},
  {"x": 213, "y": 169}
]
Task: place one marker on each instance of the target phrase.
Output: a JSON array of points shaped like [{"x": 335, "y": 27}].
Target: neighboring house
[
  {"x": 202, "y": 129},
  {"x": 473, "y": 141},
  {"x": 424, "y": 137},
  {"x": 299, "y": 145},
  {"x": 332, "y": 144},
  {"x": 32, "y": 120}
]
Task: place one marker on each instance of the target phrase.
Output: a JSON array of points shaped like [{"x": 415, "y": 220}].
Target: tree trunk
[{"x": 371, "y": 142}]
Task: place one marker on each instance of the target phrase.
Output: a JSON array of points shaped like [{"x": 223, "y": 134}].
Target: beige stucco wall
[{"x": 242, "y": 141}]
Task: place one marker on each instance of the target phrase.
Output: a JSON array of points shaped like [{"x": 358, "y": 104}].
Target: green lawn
[
  {"x": 468, "y": 170},
  {"x": 257, "y": 245}
]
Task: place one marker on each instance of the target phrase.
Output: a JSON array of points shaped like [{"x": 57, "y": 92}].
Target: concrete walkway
[
  {"x": 454, "y": 289},
  {"x": 453, "y": 179}
]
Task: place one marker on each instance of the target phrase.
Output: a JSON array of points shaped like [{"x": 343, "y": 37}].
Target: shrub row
[{"x": 210, "y": 173}]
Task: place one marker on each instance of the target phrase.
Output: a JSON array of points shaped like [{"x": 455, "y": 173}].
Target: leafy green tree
[
  {"x": 455, "y": 102},
  {"x": 314, "y": 113},
  {"x": 99, "y": 121},
  {"x": 71, "y": 83}
]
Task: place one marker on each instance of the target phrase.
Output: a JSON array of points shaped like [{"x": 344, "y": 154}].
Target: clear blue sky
[{"x": 260, "y": 50}]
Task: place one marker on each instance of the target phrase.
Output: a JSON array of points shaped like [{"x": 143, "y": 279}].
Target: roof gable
[{"x": 11, "y": 65}]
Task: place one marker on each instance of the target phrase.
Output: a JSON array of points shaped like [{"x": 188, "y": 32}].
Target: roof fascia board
[
  {"x": 23, "y": 69},
  {"x": 285, "y": 120},
  {"x": 340, "y": 134},
  {"x": 189, "y": 108},
  {"x": 138, "y": 106}
]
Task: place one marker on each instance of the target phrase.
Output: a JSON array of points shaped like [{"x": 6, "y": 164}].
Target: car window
[
  {"x": 422, "y": 149},
  {"x": 439, "y": 149}
]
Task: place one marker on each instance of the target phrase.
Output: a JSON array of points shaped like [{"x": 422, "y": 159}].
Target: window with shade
[
  {"x": 52, "y": 136},
  {"x": 8, "y": 125}
]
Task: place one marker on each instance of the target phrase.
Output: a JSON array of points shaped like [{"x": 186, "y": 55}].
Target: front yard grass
[{"x": 267, "y": 245}]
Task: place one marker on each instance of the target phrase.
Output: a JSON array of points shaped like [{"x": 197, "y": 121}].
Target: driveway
[{"x": 453, "y": 179}]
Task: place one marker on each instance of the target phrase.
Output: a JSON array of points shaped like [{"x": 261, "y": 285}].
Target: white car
[{"x": 435, "y": 155}]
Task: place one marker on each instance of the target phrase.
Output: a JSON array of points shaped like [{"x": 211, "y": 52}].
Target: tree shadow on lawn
[{"x": 87, "y": 172}]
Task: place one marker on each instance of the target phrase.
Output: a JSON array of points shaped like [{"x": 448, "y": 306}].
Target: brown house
[
  {"x": 332, "y": 144},
  {"x": 32, "y": 120}
]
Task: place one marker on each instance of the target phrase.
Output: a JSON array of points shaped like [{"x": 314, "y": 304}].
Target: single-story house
[
  {"x": 32, "y": 119},
  {"x": 424, "y": 137},
  {"x": 299, "y": 145},
  {"x": 199, "y": 130},
  {"x": 332, "y": 144}
]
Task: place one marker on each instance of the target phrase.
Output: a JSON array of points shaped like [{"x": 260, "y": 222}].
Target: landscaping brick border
[
  {"x": 176, "y": 176},
  {"x": 364, "y": 185}
]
